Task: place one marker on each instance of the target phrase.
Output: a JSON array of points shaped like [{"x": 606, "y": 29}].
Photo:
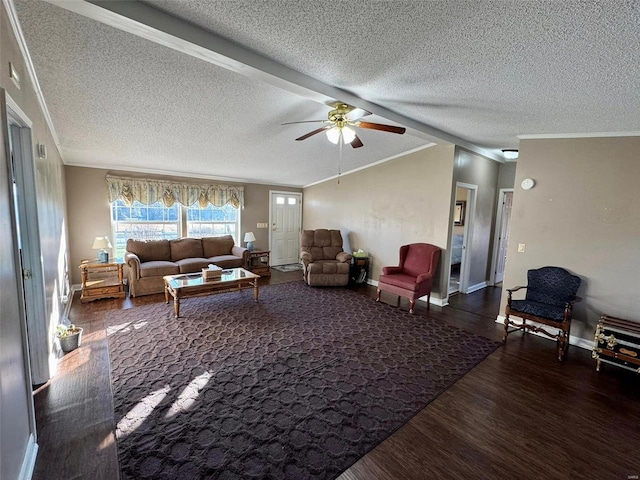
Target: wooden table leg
[
  {"x": 255, "y": 289},
  {"x": 176, "y": 305},
  {"x": 166, "y": 293}
]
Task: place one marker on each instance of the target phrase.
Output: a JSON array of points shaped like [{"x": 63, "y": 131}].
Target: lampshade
[
  {"x": 510, "y": 153},
  {"x": 101, "y": 243},
  {"x": 348, "y": 135},
  {"x": 333, "y": 134},
  {"x": 249, "y": 237}
]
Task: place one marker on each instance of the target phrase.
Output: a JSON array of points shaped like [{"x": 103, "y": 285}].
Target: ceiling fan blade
[
  {"x": 356, "y": 142},
  {"x": 310, "y": 134},
  {"x": 304, "y": 121},
  {"x": 382, "y": 127},
  {"x": 356, "y": 113}
]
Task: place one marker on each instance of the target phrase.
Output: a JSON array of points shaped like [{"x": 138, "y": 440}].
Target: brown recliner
[{"x": 324, "y": 262}]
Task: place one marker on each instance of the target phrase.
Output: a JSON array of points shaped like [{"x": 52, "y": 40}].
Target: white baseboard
[
  {"x": 476, "y": 287},
  {"x": 29, "y": 459},
  {"x": 573, "y": 340}
]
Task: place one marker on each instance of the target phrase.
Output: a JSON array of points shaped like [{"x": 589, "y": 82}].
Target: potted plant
[{"x": 70, "y": 337}]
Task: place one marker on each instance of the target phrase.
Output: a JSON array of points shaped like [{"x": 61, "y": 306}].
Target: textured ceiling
[{"x": 480, "y": 70}]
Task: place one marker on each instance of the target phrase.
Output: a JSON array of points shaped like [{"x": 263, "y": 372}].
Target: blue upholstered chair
[{"x": 551, "y": 293}]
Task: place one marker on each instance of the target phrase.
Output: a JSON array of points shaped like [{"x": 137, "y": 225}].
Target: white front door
[{"x": 285, "y": 212}]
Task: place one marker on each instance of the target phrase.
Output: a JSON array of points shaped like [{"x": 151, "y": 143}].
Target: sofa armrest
[
  {"x": 241, "y": 252},
  {"x": 306, "y": 258},
  {"x": 344, "y": 257},
  {"x": 391, "y": 270},
  {"x": 133, "y": 262}
]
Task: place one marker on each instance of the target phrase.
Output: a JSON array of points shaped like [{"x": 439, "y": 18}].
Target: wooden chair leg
[
  {"x": 506, "y": 329},
  {"x": 378, "y": 295},
  {"x": 411, "y": 305},
  {"x": 428, "y": 300}
]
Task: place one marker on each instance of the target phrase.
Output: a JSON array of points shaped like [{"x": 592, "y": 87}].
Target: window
[
  {"x": 212, "y": 221},
  {"x": 157, "y": 222},
  {"x": 144, "y": 222}
]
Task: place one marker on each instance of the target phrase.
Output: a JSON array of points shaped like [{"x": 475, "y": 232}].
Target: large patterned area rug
[{"x": 297, "y": 386}]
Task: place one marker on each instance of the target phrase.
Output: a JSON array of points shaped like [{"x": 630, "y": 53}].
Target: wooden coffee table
[{"x": 193, "y": 285}]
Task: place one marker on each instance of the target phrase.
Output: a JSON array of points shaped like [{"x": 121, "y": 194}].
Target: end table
[{"x": 101, "y": 280}]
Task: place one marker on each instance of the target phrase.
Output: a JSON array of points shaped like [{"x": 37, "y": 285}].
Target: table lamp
[
  {"x": 249, "y": 237},
  {"x": 101, "y": 244}
]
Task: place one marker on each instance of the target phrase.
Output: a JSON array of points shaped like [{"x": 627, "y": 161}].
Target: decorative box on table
[
  {"x": 214, "y": 272},
  {"x": 617, "y": 342}
]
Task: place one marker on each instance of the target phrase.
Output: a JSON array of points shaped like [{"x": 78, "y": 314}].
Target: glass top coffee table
[{"x": 193, "y": 285}]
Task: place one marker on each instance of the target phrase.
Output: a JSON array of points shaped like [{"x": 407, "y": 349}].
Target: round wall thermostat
[{"x": 527, "y": 184}]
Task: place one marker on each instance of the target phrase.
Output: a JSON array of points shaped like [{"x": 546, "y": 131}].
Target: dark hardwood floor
[{"x": 518, "y": 414}]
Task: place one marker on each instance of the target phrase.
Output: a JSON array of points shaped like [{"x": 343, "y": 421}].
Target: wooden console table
[
  {"x": 617, "y": 342},
  {"x": 101, "y": 280}
]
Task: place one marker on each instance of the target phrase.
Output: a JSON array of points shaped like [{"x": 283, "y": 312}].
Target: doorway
[
  {"x": 285, "y": 220},
  {"x": 461, "y": 235},
  {"x": 25, "y": 207}
]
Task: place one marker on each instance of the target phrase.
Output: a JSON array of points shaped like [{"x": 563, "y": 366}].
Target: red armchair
[{"x": 413, "y": 277}]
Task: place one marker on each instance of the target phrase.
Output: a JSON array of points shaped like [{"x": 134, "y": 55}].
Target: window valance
[{"x": 149, "y": 191}]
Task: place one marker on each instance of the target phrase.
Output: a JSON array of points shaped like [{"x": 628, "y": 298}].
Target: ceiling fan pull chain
[{"x": 340, "y": 142}]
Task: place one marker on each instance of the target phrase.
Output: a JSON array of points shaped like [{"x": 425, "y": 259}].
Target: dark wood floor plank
[{"x": 518, "y": 414}]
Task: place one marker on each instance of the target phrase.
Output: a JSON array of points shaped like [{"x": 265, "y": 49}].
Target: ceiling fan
[{"x": 339, "y": 123}]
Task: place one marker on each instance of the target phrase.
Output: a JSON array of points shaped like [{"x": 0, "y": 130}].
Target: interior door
[
  {"x": 285, "y": 212},
  {"x": 503, "y": 240},
  {"x": 18, "y": 446}
]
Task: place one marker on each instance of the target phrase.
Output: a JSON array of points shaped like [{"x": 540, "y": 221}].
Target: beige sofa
[
  {"x": 324, "y": 262},
  {"x": 148, "y": 261}
]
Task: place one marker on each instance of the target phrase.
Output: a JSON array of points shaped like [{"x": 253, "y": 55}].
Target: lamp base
[
  {"x": 103, "y": 256},
  {"x": 250, "y": 246}
]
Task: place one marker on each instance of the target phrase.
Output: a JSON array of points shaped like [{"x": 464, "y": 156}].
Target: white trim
[
  {"x": 364, "y": 167},
  {"x": 537, "y": 136},
  {"x": 29, "y": 459},
  {"x": 16, "y": 113},
  {"x": 476, "y": 287},
  {"x": 22, "y": 44},
  {"x": 573, "y": 340},
  {"x": 470, "y": 218}
]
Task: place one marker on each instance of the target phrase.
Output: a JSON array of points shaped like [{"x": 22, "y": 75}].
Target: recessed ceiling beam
[{"x": 147, "y": 22}]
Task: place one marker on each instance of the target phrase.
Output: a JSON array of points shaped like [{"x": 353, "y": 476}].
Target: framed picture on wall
[{"x": 458, "y": 213}]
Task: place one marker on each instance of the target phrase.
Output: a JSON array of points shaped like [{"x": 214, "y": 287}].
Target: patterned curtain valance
[{"x": 149, "y": 191}]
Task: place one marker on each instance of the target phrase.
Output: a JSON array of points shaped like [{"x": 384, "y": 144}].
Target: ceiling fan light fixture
[
  {"x": 348, "y": 135},
  {"x": 510, "y": 153},
  {"x": 333, "y": 134}
]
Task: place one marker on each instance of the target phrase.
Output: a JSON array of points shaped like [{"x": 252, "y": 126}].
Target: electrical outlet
[
  {"x": 521, "y": 247},
  {"x": 262, "y": 225}
]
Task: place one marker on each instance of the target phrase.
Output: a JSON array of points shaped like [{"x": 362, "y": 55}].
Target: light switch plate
[{"x": 521, "y": 247}]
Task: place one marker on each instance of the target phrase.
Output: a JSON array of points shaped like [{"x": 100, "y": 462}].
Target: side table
[
  {"x": 259, "y": 262},
  {"x": 359, "y": 270},
  {"x": 101, "y": 280}
]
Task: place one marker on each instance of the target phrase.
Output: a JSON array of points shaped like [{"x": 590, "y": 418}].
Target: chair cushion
[
  {"x": 551, "y": 285},
  {"x": 401, "y": 280},
  {"x": 544, "y": 310},
  {"x": 328, "y": 266}
]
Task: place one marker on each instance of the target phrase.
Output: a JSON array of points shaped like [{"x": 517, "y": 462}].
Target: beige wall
[
  {"x": 378, "y": 209},
  {"x": 89, "y": 211},
  {"x": 582, "y": 215}
]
